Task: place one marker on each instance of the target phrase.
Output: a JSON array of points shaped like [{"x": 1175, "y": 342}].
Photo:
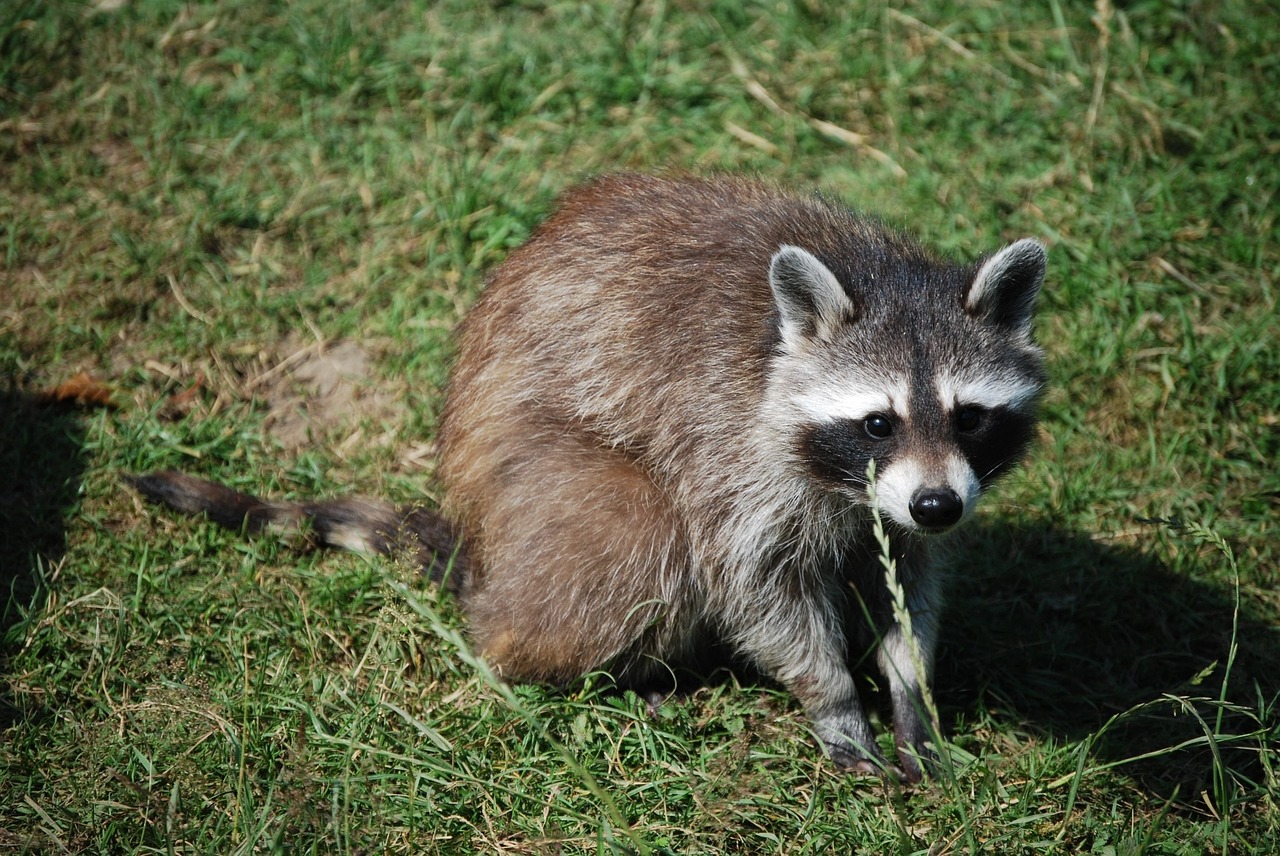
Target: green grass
[{"x": 194, "y": 194}]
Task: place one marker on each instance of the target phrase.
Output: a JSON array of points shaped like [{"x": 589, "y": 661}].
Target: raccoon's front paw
[
  {"x": 847, "y": 739},
  {"x": 911, "y": 740},
  {"x": 859, "y": 763},
  {"x": 916, "y": 761}
]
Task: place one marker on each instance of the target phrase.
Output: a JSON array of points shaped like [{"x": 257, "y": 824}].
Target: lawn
[{"x": 235, "y": 238}]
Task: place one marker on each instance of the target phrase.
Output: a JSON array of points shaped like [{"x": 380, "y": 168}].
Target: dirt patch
[{"x": 318, "y": 392}]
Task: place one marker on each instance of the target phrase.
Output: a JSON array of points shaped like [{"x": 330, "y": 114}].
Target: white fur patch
[
  {"x": 964, "y": 481},
  {"x": 895, "y": 659},
  {"x": 832, "y": 403},
  {"x": 894, "y": 488},
  {"x": 1014, "y": 393},
  {"x": 350, "y": 538}
]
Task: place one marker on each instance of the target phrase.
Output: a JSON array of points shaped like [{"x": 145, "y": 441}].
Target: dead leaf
[{"x": 81, "y": 390}]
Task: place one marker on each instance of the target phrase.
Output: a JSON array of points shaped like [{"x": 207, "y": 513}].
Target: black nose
[{"x": 935, "y": 508}]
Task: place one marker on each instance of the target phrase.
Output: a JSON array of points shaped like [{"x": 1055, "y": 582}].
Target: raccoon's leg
[
  {"x": 584, "y": 566},
  {"x": 910, "y": 715},
  {"x": 901, "y": 666},
  {"x": 796, "y": 633}
]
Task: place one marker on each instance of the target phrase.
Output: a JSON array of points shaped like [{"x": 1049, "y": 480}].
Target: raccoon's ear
[
  {"x": 811, "y": 301},
  {"x": 1005, "y": 288}
]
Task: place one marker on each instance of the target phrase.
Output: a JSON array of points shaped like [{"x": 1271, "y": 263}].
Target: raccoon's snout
[{"x": 936, "y": 508}]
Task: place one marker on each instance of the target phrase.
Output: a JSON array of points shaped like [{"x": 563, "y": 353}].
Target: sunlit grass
[{"x": 200, "y": 200}]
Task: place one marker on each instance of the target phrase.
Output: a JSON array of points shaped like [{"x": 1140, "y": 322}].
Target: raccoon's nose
[{"x": 936, "y": 508}]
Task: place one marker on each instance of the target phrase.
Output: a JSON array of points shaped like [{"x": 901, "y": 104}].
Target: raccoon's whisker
[
  {"x": 854, "y": 478},
  {"x": 999, "y": 465}
]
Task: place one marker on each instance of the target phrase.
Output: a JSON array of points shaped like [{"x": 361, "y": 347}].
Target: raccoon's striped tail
[{"x": 354, "y": 523}]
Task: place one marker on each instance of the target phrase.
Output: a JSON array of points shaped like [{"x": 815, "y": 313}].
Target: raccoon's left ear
[
  {"x": 1005, "y": 288},
  {"x": 811, "y": 301}
]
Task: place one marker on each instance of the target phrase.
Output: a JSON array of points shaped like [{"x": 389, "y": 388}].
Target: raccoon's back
[
  {"x": 640, "y": 311},
  {"x": 619, "y": 300}
]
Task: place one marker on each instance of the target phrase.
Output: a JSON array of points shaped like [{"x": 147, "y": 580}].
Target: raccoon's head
[{"x": 926, "y": 368}]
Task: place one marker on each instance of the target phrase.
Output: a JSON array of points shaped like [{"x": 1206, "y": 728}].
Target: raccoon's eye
[
  {"x": 969, "y": 418},
  {"x": 878, "y": 426}
]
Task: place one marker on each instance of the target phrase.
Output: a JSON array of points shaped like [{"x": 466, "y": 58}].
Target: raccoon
[{"x": 657, "y": 438}]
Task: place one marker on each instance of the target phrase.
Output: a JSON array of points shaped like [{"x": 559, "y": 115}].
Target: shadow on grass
[
  {"x": 1055, "y": 633},
  {"x": 1048, "y": 632},
  {"x": 40, "y": 469}
]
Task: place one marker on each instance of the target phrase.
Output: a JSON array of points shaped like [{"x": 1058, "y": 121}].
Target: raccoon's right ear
[
  {"x": 1005, "y": 287},
  {"x": 811, "y": 301}
]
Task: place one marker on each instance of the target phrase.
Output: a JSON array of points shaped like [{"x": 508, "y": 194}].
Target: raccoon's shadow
[
  {"x": 40, "y": 469},
  {"x": 1057, "y": 633}
]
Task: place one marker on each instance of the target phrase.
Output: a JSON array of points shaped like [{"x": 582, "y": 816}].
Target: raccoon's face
[{"x": 930, "y": 373}]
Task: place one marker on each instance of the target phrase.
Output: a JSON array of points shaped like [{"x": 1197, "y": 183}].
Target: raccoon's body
[{"x": 658, "y": 431}]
